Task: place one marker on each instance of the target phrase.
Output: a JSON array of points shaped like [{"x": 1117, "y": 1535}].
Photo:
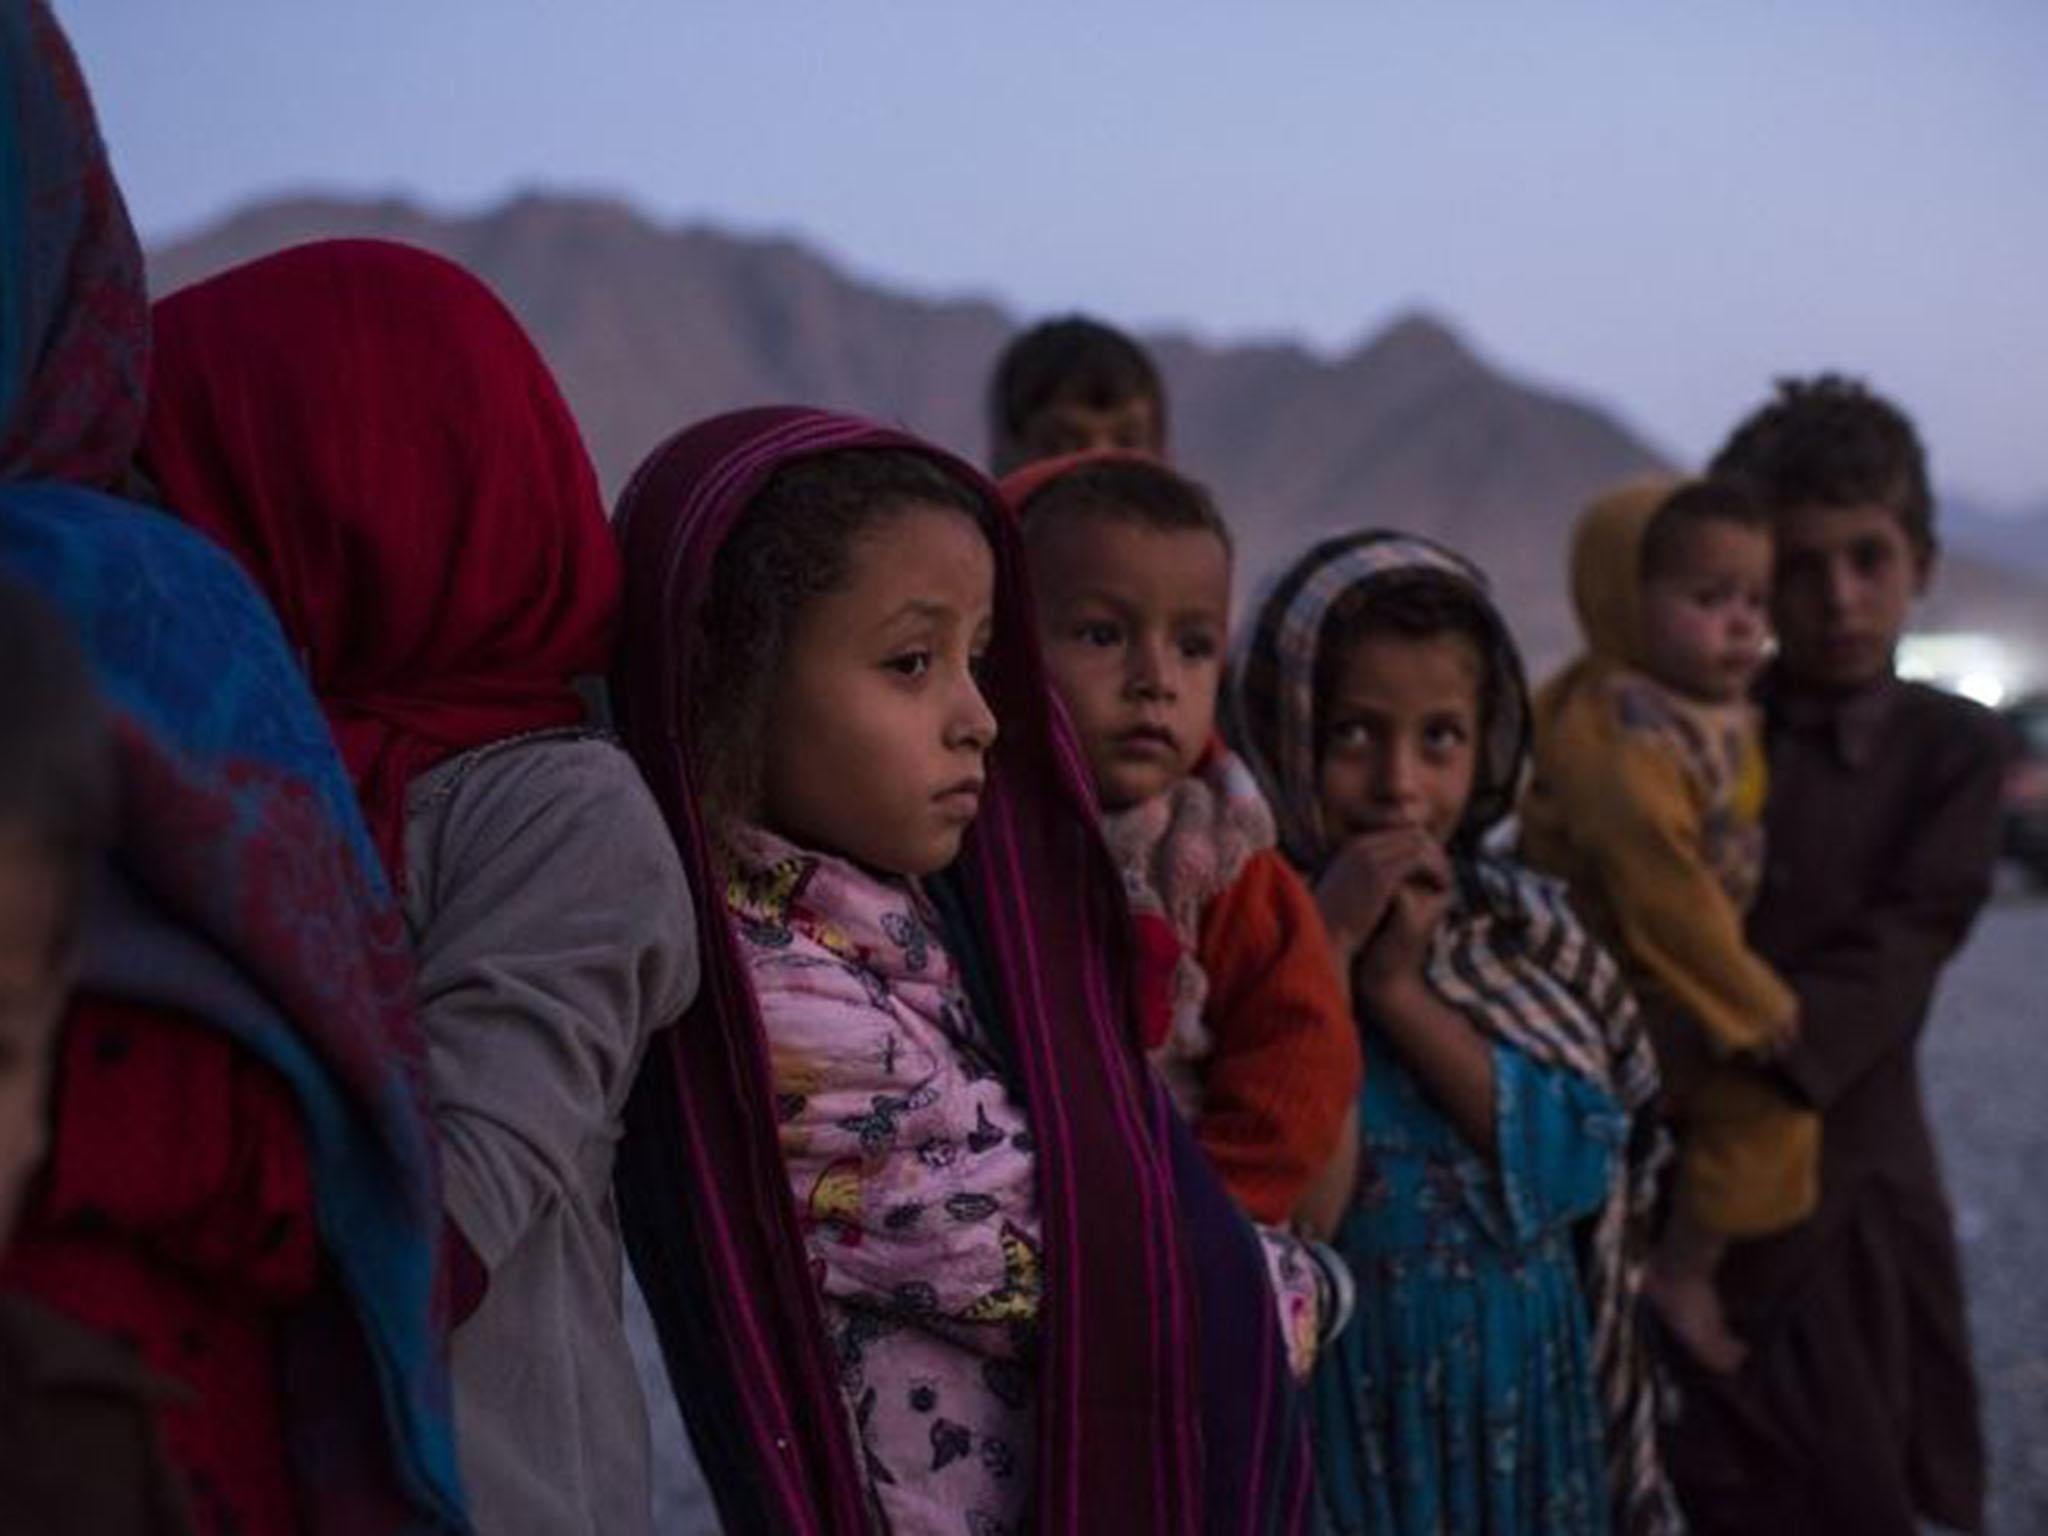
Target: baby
[{"x": 1648, "y": 801}]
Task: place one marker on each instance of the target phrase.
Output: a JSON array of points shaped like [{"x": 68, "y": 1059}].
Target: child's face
[
  {"x": 1070, "y": 426},
  {"x": 877, "y": 733},
  {"x": 33, "y": 908},
  {"x": 1400, "y": 739},
  {"x": 1706, "y": 625},
  {"x": 1846, "y": 581},
  {"x": 1134, "y": 621}
]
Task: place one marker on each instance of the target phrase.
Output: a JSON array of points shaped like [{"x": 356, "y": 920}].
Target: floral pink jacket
[{"x": 912, "y": 1165}]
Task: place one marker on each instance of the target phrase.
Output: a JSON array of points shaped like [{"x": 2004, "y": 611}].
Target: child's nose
[
  {"x": 974, "y": 723},
  {"x": 1151, "y": 671},
  {"x": 1399, "y": 778},
  {"x": 1838, "y": 587}
]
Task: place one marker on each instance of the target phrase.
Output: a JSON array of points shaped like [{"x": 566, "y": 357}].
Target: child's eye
[
  {"x": 1099, "y": 632},
  {"x": 911, "y": 664},
  {"x": 977, "y": 668},
  {"x": 1350, "y": 735},
  {"x": 1445, "y": 736},
  {"x": 1198, "y": 647}
]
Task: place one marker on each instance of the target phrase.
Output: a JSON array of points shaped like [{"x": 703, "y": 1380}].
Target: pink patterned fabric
[
  {"x": 915, "y": 1181},
  {"x": 1177, "y": 853}
]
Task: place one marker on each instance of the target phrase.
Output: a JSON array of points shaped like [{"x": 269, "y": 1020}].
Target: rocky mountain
[{"x": 650, "y": 327}]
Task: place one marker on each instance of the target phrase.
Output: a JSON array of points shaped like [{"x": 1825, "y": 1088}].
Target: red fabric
[
  {"x": 1286, "y": 1065},
  {"x": 1158, "y": 957},
  {"x": 369, "y": 431},
  {"x": 175, "y": 1214},
  {"x": 1020, "y": 485}
]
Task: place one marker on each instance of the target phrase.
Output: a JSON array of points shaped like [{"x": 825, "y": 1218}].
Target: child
[
  {"x": 912, "y": 1218},
  {"x": 1071, "y": 385},
  {"x": 76, "y": 1414},
  {"x": 1648, "y": 802},
  {"x": 1492, "y": 1381},
  {"x": 433, "y": 540},
  {"x": 238, "y": 1179},
  {"x": 1131, "y": 568},
  {"x": 1857, "y": 1411}
]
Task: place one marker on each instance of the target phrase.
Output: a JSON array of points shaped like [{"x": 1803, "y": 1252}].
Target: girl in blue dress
[{"x": 1494, "y": 1380}]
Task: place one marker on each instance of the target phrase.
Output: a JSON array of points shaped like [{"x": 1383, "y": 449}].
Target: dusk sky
[{"x": 1657, "y": 205}]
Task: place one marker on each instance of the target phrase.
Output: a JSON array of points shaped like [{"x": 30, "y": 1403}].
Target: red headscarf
[
  {"x": 369, "y": 431},
  {"x": 1026, "y": 481}
]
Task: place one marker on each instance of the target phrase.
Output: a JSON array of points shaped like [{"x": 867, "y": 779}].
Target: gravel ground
[{"x": 1987, "y": 1082}]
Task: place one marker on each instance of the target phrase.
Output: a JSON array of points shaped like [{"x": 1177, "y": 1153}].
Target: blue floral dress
[{"x": 1463, "y": 1397}]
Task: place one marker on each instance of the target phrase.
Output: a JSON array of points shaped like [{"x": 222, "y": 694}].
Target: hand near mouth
[
  {"x": 1392, "y": 960},
  {"x": 1357, "y": 892}
]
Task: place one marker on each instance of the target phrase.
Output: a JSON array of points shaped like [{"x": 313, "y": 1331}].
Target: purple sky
[{"x": 1660, "y": 206}]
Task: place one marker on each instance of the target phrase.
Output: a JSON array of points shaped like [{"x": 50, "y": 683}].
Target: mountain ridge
[{"x": 649, "y": 326}]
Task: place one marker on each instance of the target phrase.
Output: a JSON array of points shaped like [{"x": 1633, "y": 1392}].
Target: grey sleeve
[{"x": 554, "y": 935}]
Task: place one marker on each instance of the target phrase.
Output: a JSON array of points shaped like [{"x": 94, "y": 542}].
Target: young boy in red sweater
[{"x": 1248, "y": 1021}]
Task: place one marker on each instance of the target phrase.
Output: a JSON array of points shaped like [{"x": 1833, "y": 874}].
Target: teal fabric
[{"x": 1463, "y": 1397}]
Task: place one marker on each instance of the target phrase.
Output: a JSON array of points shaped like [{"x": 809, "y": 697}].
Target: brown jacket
[
  {"x": 1857, "y": 1412},
  {"x": 78, "y": 1442}
]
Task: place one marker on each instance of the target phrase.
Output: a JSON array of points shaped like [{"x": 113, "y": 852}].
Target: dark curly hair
[
  {"x": 1071, "y": 359},
  {"x": 1127, "y": 490},
  {"x": 791, "y": 546},
  {"x": 1831, "y": 441}
]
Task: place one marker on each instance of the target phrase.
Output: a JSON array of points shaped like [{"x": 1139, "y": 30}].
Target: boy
[
  {"x": 74, "y": 1410},
  {"x": 1648, "y": 801},
  {"x": 1250, "y": 1026},
  {"x": 1858, "y": 1409},
  {"x": 1073, "y": 385}
]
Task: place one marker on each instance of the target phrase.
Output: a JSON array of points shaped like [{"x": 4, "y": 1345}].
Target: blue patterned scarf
[{"x": 251, "y": 897}]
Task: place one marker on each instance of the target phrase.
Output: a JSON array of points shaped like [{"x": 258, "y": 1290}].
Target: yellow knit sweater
[
  {"x": 1649, "y": 808},
  {"x": 1650, "y": 805}
]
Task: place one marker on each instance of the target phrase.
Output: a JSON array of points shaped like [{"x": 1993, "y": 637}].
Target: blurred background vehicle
[{"x": 2026, "y": 787}]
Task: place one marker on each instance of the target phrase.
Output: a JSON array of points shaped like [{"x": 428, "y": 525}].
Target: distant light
[
  {"x": 1978, "y": 666},
  {"x": 1987, "y": 688},
  {"x": 1915, "y": 668}
]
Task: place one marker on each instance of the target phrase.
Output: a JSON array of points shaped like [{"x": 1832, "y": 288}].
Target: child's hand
[
  {"x": 1394, "y": 956},
  {"x": 1782, "y": 1036},
  {"x": 1356, "y": 893}
]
